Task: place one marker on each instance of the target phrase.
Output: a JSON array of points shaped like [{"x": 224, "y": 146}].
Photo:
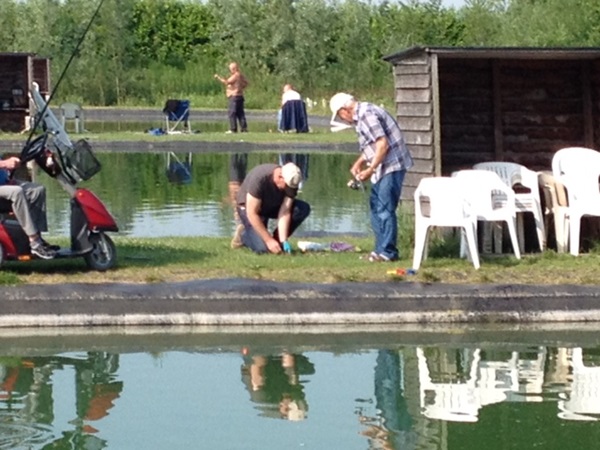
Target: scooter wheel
[{"x": 104, "y": 253}]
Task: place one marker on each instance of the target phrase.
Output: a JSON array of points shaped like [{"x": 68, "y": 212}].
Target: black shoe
[
  {"x": 50, "y": 246},
  {"x": 38, "y": 249}
]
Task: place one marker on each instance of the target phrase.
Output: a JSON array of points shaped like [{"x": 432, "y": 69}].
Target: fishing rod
[{"x": 40, "y": 116}]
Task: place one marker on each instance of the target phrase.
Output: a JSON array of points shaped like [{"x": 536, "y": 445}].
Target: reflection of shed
[
  {"x": 17, "y": 72},
  {"x": 460, "y": 106}
]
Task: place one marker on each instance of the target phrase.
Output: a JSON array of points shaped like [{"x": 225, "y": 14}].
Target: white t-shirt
[{"x": 290, "y": 95}]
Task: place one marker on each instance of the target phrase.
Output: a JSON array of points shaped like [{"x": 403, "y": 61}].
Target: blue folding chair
[{"x": 177, "y": 113}]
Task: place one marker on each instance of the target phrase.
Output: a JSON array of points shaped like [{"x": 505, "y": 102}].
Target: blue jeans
[
  {"x": 385, "y": 196},
  {"x": 252, "y": 240}
]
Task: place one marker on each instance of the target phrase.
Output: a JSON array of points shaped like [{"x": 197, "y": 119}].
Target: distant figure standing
[{"x": 234, "y": 90}]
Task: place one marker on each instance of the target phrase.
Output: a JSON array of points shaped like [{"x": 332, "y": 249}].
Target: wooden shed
[
  {"x": 17, "y": 72},
  {"x": 461, "y": 106}
]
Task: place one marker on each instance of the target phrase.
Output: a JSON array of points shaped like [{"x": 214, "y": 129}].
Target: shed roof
[
  {"x": 16, "y": 54},
  {"x": 575, "y": 53}
]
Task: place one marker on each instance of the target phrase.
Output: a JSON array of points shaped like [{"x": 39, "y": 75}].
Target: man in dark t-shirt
[{"x": 269, "y": 192}]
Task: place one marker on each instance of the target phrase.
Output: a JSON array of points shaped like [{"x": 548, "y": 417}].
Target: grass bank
[{"x": 157, "y": 260}]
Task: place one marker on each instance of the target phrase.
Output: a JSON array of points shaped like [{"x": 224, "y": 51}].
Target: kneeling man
[{"x": 269, "y": 192}]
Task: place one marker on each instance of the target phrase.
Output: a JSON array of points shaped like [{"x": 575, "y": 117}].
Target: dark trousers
[
  {"x": 252, "y": 240},
  {"x": 235, "y": 112}
]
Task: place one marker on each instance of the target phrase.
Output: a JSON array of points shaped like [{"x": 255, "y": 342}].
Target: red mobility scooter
[{"x": 68, "y": 163}]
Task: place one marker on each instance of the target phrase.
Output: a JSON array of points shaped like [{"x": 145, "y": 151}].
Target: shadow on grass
[{"x": 130, "y": 255}]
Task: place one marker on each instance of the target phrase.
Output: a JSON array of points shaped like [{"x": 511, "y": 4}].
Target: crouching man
[{"x": 269, "y": 192}]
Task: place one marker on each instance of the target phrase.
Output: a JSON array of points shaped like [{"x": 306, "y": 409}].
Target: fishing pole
[{"x": 39, "y": 117}]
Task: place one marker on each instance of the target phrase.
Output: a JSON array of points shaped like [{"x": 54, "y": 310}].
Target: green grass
[{"x": 155, "y": 260}]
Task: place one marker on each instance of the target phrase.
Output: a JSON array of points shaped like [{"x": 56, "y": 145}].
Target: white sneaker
[{"x": 229, "y": 132}]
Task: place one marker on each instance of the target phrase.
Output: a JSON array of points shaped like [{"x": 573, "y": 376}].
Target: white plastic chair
[
  {"x": 514, "y": 174},
  {"x": 556, "y": 205},
  {"x": 491, "y": 200},
  {"x": 578, "y": 169},
  {"x": 72, "y": 111},
  {"x": 447, "y": 208}
]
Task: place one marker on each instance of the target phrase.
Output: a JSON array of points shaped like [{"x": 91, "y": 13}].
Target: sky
[{"x": 455, "y": 3}]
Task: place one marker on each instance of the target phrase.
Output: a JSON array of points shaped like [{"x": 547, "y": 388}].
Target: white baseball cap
[
  {"x": 292, "y": 176},
  {"x": 337, "y": 102}
]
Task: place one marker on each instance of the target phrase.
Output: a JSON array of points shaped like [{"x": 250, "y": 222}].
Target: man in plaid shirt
[{"x": 384, "y": 159}]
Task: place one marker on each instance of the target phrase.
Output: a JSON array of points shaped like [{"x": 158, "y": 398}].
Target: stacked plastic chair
[{"x": 578, "y": 169}]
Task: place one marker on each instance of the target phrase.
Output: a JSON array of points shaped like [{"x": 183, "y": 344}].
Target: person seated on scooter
[
  {"x": 269, "y": 192},
  {"x": 29, "y": 207}
]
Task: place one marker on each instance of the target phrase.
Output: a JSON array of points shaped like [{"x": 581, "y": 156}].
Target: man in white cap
[
  {"x": 269, "y": 192},
  {"x": 384, "y": 159}
]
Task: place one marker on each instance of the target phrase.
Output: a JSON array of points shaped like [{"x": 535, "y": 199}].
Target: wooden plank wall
[
  {"x": 41, "y": 74},
  {"x": 414, "y": 112},
  {"x": 15, "y": 71},
  {"x": 543, "y": 109},
  {"x": 466, "y": 113},
  {"x": 515, "y": 110},
  {"x": 595, "y": 104}
]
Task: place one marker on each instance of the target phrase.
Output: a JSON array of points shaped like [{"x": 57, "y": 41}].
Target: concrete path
[{"x": 252, "y": 302}]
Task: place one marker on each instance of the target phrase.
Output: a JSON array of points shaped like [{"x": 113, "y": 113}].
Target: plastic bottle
[{"x": 308, "y": 246}]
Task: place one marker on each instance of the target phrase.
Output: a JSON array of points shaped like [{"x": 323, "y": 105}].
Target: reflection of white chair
[
  {"x": 491, "y": 200},
  {"x": 72, "y": 111},
  {"x": 516, "y": 175},
  {"x": 578, "y": 169},
  {"x": 518, "y": 379},
  {"x": 447, "y": 208},
  {"x": 556, "y": 205},
  {"x": 455, "y": 402},
  {"x": 496, "y": 378},
  {"x": 531, "y": 376},
  {"x": 583, "y": 402}
]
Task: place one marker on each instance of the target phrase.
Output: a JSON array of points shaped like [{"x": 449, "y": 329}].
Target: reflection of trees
[
  {"x": 274, "y": 383},
  {"x": 27, "y": 389},
  {"x": 130, "y": 182}
]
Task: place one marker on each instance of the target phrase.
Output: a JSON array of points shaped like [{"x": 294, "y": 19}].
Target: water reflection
[
  {"x": 28, "y": 411},
  {"x": 325, "y": 391},
  {"x": 179, "y": 170},
  {"x": 275, "y": 384},
  {"x": 184, "y": 194}
]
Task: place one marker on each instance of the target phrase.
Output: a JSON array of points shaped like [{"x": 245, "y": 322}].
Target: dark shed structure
[
  {"x": 461, "y": 106},
  {"x": 17, "y": 72}
]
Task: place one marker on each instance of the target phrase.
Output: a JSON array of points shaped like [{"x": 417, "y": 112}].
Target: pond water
[
  {"x": 174, "y": 194},
  {"x": 305, "y": 389}
]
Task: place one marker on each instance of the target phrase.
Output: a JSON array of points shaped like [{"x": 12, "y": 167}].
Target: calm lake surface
[
  {"x": 395, "y": 389},
  {"x": 174, "y": 194}
]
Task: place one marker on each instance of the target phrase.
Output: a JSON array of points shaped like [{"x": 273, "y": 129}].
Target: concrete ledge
[{"x": 252, "y": 302}]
